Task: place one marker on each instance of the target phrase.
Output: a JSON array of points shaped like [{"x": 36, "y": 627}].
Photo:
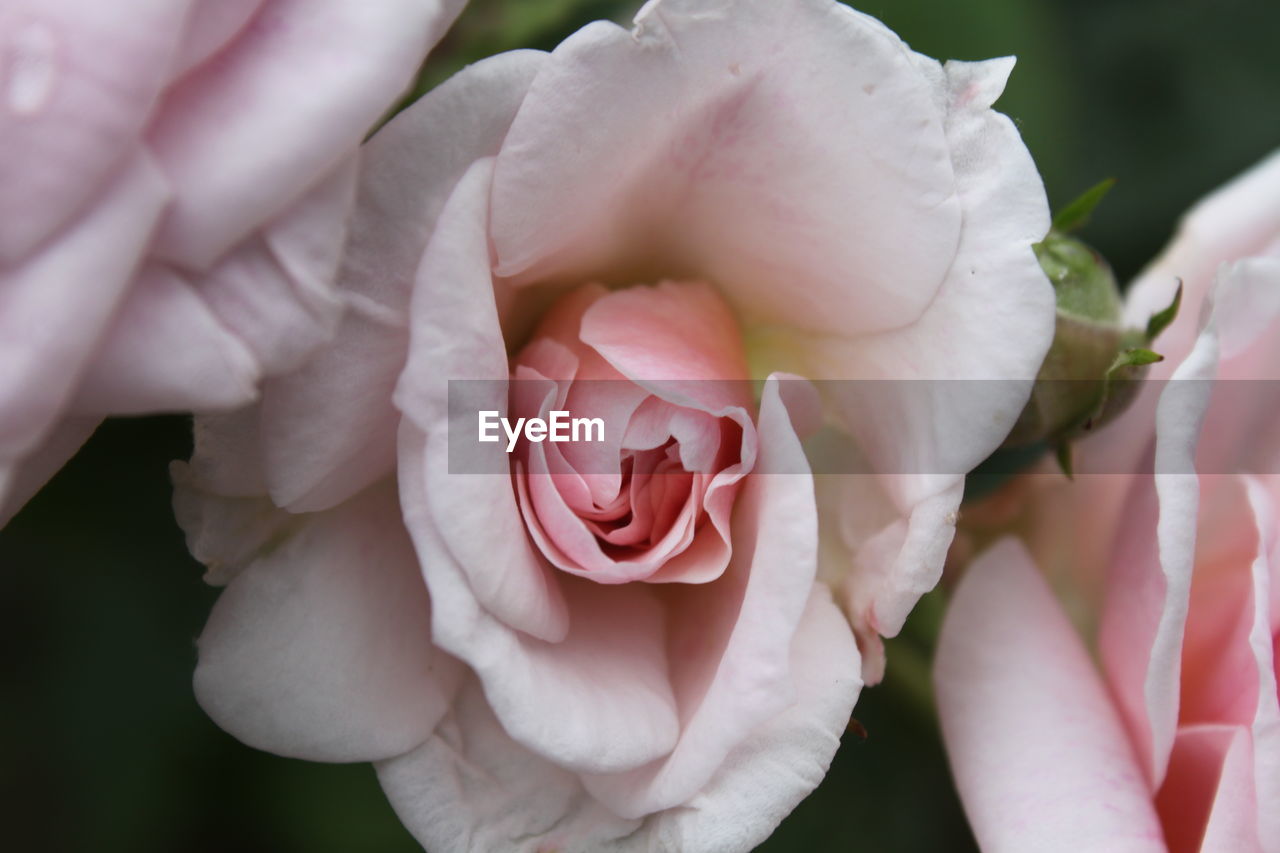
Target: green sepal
[
  {"x": 1117, "y": 384},
  {"x": 1133, "y": 357},
  {"x": 1063, "y": 455},
  {"x": 1076, "y": 214},
  {"x": 1161, "y": 320}
]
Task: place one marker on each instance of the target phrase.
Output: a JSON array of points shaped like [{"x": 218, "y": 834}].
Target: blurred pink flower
[
  {"x": 1171, "y": 579},
  {"x": 175, "y": 180},
  {"x": 729, "y": 191}
]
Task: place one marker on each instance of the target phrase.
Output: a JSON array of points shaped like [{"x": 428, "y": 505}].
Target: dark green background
[{"x": 102, "y": 747}]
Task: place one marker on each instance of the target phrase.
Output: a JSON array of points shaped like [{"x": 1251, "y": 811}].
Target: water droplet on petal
[{"x": 31, "y": 71}]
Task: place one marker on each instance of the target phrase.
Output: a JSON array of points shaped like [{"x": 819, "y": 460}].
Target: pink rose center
[{"x": 656, "y": 379}]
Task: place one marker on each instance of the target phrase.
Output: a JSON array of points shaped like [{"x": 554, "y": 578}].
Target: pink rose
[
  {"x": 624, "y": 644},
  {"x": 175, "y": 179},
  {"x": 1173, "y": 579}
]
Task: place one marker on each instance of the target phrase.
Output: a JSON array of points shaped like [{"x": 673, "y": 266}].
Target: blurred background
[{"x": 102, "y": 746}]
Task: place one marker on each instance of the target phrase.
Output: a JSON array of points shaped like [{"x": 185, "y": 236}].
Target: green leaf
[
  {"x": 1077, "y": 213},
  {"x": 1161, "y": 320}
]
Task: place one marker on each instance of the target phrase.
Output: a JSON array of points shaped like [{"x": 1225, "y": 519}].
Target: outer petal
[
  {"x": 600, "y": 699},
  {"x": 981, "y": 341},
  {"x": 976, "y": 348},
  {"x": 457, "y": 336},
  {"x": 800, "y": 150},
  {"x": 781, "y": 761},
  {"x": 277, "y": 291},
  {"x": 306, "y": 79},
  {"x": 321, "y": 649},
  {"x": 729, "y": 639},
  {"x": 318, "y": 453},
  {"x": 81, "y": 79},
  {"x": 23, "y": 479},
  {"x": 43, "y": 346},
  {"x": 473, "y": 788},
  {"x": 211, "y": 25},
  {"x": 1141, "y": 634},
  {"x": 1041, "y": 759},
  {"x": 1236, "y": 221},
  {"x": 166, "y": 350}
]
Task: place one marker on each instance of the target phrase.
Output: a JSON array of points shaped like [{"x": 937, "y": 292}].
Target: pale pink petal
[
  {"x": 456, "y": 336},
  {"x": 782, "y": 760},
  {"x": 1219, "y": 679},
  {"x": 166, "y": 351},
  {"x": 800, "y": 152},
  {"x": 1141, "y": 634},
  {"x": 227, "y": 457},
  {"x": 276, "y": 291},
  {"x": 225, "y": 533},
  {"x": 681, "y": 331},
  {"x": 1040, "y": 757},
  {"x": 44, "y": 346},
  {"x": 304, "y": 80},
  {"x": 979, "y": 345},
  {"x": 729, "y": 644},
  {"x": 977, "y": 348},
  {"x": 211, "y": 25},
  {"x": 321, "y": 649},
  {"x": 1235, "y": 221},
  {"x": 471, "y": 787},
  {"x": 319, "y": 452},
  {"x": 600, "y": 698},
  {"x": 1264, "y": 637},
  {"x": 19, "y": 482},
  {"x": 80, "y": 79},
  {"x": 1208, "y": 803}
]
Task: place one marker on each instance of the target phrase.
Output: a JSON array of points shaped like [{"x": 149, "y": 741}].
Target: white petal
[{"x": 321, "y": 649}]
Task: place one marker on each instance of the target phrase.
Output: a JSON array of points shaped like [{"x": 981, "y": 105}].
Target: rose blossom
[
  {"x": 1176, "y": 745},
  {"x": 175, "y": 178},
  {"x": 624, "y": 644}
]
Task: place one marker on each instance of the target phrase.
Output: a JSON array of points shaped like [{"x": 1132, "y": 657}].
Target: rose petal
[
  {"x": 799, "y": 149},
  {"x": 598, "y": 699},
  {"x": 166, "y": 351},
  {"x": 1237, "y": 220},
  {"x": 321, "y": 649},
  {"x": 782, "y": 760},
  {"x": 211, "y": 24},
  {"x": 976, "y": 348},
  {"x": 81, "y": 79},
  {"x": 731, "y": 665},
  {"x": 19, "y": 482},
  {"x": 1208, "y": 803},
  {"x": 472, "y": 788},
  {"x": 674, "y": 331},
  {"x": 44, "y": 347},
  {"x": 457, "y": 336},
  {"x": 1040, "y": 757},
  {"x": 1141, "y": 634},
  {"x": 305, "y": 79},
  {"x": 276, "y": 292},
  {"x": 318, "y": 453}
]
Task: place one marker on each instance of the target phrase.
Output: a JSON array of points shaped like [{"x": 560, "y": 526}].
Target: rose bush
[
  {"x": 626, "y": 644},
  {"x": 175, "y": 179},
  {"x": 1172, "y": 579}
]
